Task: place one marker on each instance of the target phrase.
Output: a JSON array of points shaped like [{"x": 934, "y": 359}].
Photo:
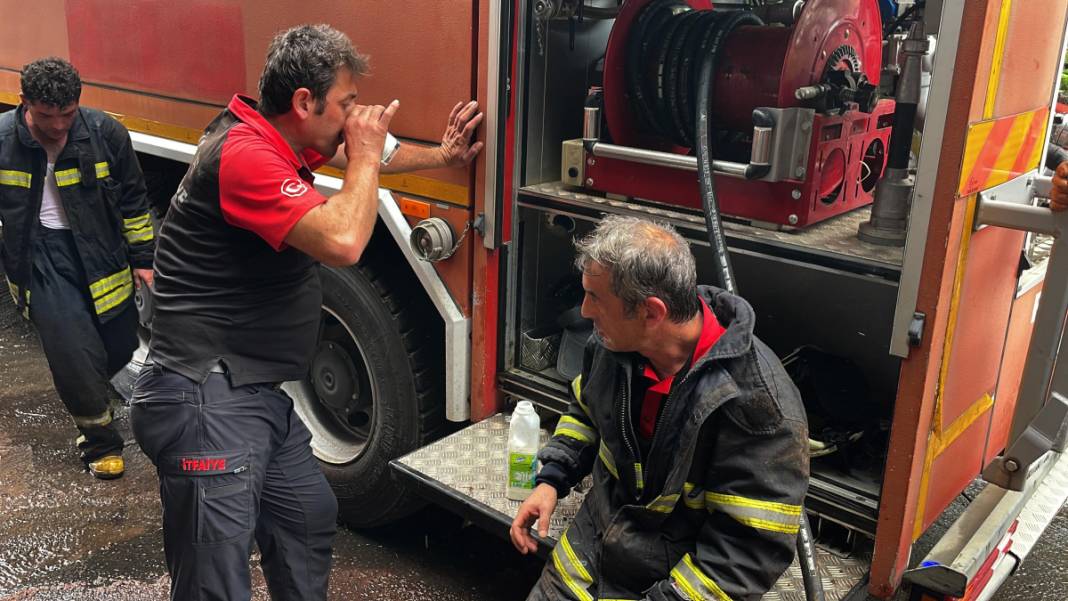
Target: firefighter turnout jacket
[
  {"x": 712, "y": 511},
  {"x": 103, "y": 193}
]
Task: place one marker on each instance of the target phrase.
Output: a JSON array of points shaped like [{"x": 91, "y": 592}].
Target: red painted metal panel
[
  {"x": 422, "y": 52},
  {"x": 29, "y": 33},
  {"x": 193, "y": 49},
  {"x": 1012, "y": 366},
  {"x": 978, "y": 341},
  {"x": 979, "y": 337},
  {"x": 1032, "y": 55}
]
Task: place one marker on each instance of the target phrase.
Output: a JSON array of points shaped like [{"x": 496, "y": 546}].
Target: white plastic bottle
[{"x": 522, "y": 451}]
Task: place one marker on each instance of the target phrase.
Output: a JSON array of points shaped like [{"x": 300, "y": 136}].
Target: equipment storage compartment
[{"x": 824, "y": 299}]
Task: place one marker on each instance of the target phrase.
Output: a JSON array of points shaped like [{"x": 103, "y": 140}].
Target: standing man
[
  {"x": 696, "y": 437},
  {"x": 72, "y": 201},
  {"x": 237, "y": 304}
]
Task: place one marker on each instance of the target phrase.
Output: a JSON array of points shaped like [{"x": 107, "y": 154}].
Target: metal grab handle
[
  {"x": 1040, "y": 412},
  {"x": 759, "y": 163}
]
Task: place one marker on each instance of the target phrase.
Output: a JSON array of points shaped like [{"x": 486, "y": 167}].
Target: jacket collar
[
  {"x": 736, "y": 316},
  {"x": 78, "y": 131}
]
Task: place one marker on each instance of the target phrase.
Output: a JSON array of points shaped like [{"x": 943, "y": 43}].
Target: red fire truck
[{"x": 871, "y": 170}]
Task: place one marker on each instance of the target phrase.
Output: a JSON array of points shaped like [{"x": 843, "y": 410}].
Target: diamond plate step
[{"x": 465, "y": 473}]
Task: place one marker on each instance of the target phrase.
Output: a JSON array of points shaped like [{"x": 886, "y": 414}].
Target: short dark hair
[
  {"x": 306, "y": 56},
  {"x": 52, "y": 81}
]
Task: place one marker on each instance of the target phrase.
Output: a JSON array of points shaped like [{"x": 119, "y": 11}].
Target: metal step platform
[{"x": 465, "y": 473}]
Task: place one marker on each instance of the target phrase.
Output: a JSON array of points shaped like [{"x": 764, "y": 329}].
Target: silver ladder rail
[{"x": 1038, "y": 424}]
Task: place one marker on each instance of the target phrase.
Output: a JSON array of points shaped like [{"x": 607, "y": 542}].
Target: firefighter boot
[{"x": 109, "y": 467}]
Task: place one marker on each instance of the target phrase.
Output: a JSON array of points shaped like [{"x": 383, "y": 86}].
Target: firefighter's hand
[
  {"x": 539, "y": 506},
  {"x": 1058, "y": 196},
  {"x": 365, "y": 131},
  {"x": 144, "y": 276},
  {"x": 456, "y": 148}
]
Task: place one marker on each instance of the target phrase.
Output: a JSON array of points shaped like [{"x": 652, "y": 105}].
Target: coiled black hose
[{"x": 672, "y": 55}]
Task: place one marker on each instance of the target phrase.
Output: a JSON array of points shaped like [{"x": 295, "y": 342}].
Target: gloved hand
[{"x": 1058, "y": 197}]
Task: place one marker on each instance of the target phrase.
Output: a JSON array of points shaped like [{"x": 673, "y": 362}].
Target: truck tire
[{"x": 374, "y": 388}]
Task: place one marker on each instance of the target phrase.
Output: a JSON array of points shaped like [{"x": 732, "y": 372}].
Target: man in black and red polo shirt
[{"x": 236, "y": 311}]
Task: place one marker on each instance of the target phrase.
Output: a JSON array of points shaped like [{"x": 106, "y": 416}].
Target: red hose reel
[{"x": 763, "y": 66}]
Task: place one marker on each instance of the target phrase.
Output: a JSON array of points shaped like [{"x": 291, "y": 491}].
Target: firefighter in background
[
  {"x": 695, "y": 435},
  {"x": 76, "y": 224},
  {"x": 237, "y": 304}
]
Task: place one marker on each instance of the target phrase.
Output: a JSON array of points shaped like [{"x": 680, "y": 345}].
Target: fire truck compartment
[
  {"x": 818, "y": 289},
  {"x": 465, "y": 473}
]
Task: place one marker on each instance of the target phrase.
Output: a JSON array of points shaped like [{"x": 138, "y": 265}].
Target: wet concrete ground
[{"x": 66, "y": 536}]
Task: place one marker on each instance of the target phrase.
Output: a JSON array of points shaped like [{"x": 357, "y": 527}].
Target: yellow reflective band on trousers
[
  {"x": 607, "y": 459},
  {"x": 110, "y": 292},
  {"x": 70, "y": 177},
  {"x": 571, "y": 570},
  {"x": 19, "y": 179},
  {"x": 694, "y": 582},
  {"x": 762, "y": 515},
  {"x": 14, "y": 290},
  {"x": 576, "y": 389},
  {"x": 137, "y": 229},
  {"x": 573, "y": 428},
  {"x": 94, "y": 420}
]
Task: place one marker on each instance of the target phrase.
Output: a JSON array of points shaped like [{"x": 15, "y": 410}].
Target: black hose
[
  {"x": 806, "y": 558},
  {"x": 901, "y": 136},
  {"x": 703, "y": 144}
]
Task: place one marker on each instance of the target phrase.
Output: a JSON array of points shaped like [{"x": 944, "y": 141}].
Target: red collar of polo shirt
[
  {"x": 711, "y": 330},
  {"x": 244, "y": 108}
]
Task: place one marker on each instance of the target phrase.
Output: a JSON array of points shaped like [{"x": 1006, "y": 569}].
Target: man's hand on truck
[
  {"x": 456, "y": 147},
  {"x": 1058, "y": 197},
  {"x": 539, "y": 506}
]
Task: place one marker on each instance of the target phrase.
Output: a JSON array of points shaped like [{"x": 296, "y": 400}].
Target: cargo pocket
[{"x": 218, "y": 487}]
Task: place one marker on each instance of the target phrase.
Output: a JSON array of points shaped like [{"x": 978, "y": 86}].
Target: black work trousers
[
  {"x": 83, "y": 353},
  {"x": 235, "y": 465}
]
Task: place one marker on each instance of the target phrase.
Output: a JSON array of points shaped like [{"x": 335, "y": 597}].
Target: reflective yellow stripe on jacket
[
  {"x": 663, "y": 503},
  {"x": 695, "y": 583},
  {"x": 762, "y": 515},
  {"x": 576, "y": 389},
  {"x": 573, "y": 428},
  {"x": 110, "y": 292},
  {"x": 608, "y": 460},
  {"x": 20, "y": 179},
  {"x": 571, "y": 570},
  {"x": 70, "y": 177},
  {"x": 137, "y": 229},
  {"x": 693, "y": 496}
]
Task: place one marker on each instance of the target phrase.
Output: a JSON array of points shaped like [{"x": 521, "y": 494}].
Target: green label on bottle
[{"x": 521, "y": 470}]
